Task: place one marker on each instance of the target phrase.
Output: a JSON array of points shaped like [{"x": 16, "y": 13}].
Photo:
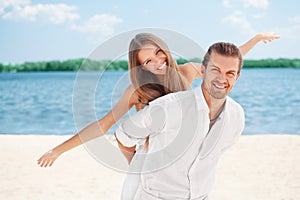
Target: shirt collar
[
  {"x": 200, "y": 100},
  {"x": 201, "y": 103}
]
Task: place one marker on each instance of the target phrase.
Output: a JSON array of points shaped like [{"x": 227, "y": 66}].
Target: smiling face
[
  {"x": 153, "y": 59},
  {"x": 219, "y": 76}
]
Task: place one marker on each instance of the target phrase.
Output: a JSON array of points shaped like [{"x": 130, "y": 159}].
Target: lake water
[{"x": 47, "y": 102}]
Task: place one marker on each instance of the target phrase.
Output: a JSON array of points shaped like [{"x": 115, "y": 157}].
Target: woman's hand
[
  {"x": 48, "y": 158},
  {"x": 266, "y": 37}
]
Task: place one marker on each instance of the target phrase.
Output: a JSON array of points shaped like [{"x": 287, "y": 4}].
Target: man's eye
[{"x": 147, "y": 62}]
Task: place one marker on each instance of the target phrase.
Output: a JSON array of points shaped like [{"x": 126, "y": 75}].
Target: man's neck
[{"x": 215, "y": 105}]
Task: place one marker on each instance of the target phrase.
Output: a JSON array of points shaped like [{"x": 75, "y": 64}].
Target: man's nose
[{"x": 222, "y": 77}]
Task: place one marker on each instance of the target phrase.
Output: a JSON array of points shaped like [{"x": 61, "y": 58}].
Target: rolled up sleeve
[{"x": 148, "y": 121}]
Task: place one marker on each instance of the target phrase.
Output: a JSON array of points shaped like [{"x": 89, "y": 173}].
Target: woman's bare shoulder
[
  {"x": 190, "y": 71},
  {"x": 189, "y": 67}
]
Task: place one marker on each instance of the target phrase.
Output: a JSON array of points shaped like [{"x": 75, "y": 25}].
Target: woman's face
[{"x": 153, "y": 59}]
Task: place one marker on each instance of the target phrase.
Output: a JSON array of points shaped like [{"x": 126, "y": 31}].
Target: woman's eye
[{"x": 158, "y": 51}]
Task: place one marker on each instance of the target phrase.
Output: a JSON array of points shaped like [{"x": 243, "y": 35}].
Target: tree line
[{"x": 92, "y": 65}]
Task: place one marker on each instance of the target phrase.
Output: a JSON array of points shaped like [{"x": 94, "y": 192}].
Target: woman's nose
[{"x": 157, "y": 60}]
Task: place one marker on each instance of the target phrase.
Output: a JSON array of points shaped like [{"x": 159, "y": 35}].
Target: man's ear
[
  {"x": 238, "y": 76},
  {"x": 202, "y": 69}
]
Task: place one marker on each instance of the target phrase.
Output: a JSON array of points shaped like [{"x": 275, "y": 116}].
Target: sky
[{"x": 44, "y": 30}]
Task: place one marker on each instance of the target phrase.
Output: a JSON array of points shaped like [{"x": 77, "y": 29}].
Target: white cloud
[
  {"x": 239, "y": 21},
  {"x": 256, "y": 3},
  {"x": 226, "y": 4},
  {"x": 101, "y": 23},
  {"x": 8, "y": 4},
  {"x": 23, "y": 10}
]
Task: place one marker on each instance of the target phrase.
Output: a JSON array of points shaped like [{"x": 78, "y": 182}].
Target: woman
[{"x": 153, "y": 73}]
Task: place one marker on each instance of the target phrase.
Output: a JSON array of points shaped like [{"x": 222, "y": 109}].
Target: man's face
[{"x": 220, "y": 75}]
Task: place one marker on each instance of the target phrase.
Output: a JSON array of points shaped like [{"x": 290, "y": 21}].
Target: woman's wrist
[
  {"x": 57, "y": 151},
  {"x": 257, "y": 38}
]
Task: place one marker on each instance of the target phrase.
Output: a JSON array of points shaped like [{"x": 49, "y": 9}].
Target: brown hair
[
  {"x": 147, "y": 86},
  {"x": 225, "y": 49}
]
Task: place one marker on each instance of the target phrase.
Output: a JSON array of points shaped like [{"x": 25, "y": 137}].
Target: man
[{"x": 188, "y": 131}]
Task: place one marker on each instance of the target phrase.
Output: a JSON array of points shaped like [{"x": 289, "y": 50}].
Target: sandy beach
[{"x": 260, "y": 167}]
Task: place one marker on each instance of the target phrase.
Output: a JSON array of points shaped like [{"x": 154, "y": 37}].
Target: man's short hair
[{"x": 225, "y": 49}]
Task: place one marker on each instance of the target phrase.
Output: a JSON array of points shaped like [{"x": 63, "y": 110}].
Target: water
[{"x": 42, "y": 103}]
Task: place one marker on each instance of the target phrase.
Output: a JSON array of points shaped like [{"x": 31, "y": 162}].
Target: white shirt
[{"x": 183, "y": 153}]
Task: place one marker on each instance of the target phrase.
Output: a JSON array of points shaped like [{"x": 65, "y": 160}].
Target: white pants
[
  {"x": 132, "y": 181},
  {"x": 130, "y": 186}
]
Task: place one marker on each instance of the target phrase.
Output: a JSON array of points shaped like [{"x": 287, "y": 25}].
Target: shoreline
[{"x": 257, "y": 167}]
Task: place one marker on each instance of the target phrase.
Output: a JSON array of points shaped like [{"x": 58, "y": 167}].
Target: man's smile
[{"x": 219, "y": 86}]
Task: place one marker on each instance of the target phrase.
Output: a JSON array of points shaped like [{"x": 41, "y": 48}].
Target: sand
[{"x": 260, "y": 167}]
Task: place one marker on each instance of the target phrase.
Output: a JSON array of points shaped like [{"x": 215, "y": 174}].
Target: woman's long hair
[{"x": 147, "y": 85}]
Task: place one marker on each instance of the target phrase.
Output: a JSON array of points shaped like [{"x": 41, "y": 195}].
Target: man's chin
[{"x": 219, "y": 96}]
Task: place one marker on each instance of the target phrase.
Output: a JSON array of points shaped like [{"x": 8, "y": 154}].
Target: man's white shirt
[{"x": 183, "y": 152}]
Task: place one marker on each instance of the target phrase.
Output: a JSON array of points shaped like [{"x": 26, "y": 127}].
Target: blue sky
[{"x": 42, "y": 30}]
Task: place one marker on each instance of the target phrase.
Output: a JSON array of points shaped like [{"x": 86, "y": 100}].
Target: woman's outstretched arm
[
  {"x": 191, "y": 70},
  {"x": 92, "y": 131},
  {"x": 264, "y": 37}
]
